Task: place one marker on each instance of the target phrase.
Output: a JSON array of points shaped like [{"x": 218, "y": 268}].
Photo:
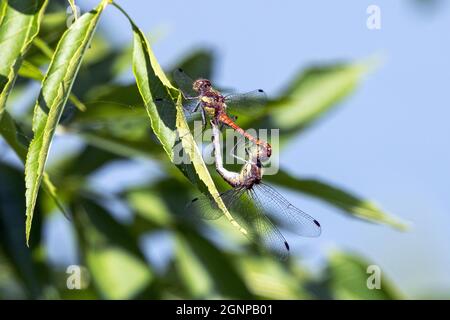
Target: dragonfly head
[
  {"x": 201, "y": 85},
  {"x": 263, "y": 152}
]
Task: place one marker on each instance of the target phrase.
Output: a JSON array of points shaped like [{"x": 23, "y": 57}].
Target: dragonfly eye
[{"x": 206, "y": 84}]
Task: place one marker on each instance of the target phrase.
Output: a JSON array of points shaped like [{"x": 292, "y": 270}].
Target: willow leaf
[
  {"x": 353, "y": 205},
  {"x": 30, "y": 71},
  {"x": 168, "y": 122},
  {"x": 55, "y": 91},
  {"x": 351, "y": 278},
  {"x": 20, "y": 21},
  {"x": 315, "y": 92},
  {"x": 18, "y": 142}
]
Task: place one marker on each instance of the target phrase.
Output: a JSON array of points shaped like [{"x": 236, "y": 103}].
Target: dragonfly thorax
[
  {"x": 213, "y": 102},
  {"x": 250, "y": 175}
]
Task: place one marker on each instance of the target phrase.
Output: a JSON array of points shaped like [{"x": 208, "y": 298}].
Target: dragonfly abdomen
[{"x": 224, "y": 118}]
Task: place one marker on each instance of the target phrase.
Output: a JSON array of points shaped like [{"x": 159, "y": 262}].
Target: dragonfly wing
[
  {"x": 266, "y": 231},
  {"x": 184, "y": 83},
  {"x": 207, "y": 208},
  {"x": 247, "y": 102},
  {"x": 191, "y": 112},
  {"x": 249, "y": 212},
  {"x": 287, "y": 214}
]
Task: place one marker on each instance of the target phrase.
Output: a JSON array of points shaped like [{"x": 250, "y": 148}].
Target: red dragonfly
[{"x": 201, "y": 96}]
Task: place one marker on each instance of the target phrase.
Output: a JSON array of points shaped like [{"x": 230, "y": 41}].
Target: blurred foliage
[{"x": 195, "y": 259}]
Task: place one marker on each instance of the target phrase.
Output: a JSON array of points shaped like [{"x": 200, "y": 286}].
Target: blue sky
[{"x": 388, "y": 141}]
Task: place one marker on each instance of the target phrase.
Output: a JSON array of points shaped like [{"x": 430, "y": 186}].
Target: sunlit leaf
[
  {"x": 150, "y": 206},
  {"x": 267, "y": 278},
  {"x": 20, "y": 22},
  {"x": 192, "y": 273},
  {"x": 351, "y": 277},
  {"x": 112, "y": 256},
  {"x": 199, "y": 259},
  {"x": 313, "y": 93},
  {"x": 55, "y": 91},
  {"x": 168, "y": 123},
  {"x": 118, "y": 274},
  {"x": 28, "y": 70}
]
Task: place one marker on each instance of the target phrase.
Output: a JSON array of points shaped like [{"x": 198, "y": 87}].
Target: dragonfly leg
[
  {"x": 203, "y": 119},
  {"x": 234, "y": 155},
  {"x": 196, "y": 107}
]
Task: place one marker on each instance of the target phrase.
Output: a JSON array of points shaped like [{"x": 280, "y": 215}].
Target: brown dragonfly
[
  {"x": 257, "y": 203},
  {"x": 201, "y": 97}
]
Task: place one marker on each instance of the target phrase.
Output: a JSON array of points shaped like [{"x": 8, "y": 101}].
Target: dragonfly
[
  {"x": 201, "y": 97},
  {"x": 256, "y": 202}
]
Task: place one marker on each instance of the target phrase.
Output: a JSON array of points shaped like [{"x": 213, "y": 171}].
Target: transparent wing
[
  {"x": 206, "y": 206},
  {"x": 246, "y": 101},
  {"x": 275, "y": 205},
  {"x": 184, "y": 83},
  {"x": 261, "y": 230},
  {"x": 248, "y": 211},
  {"x": 191, "y": 112}
]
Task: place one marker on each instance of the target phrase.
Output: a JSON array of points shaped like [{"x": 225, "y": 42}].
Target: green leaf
[
  {"x": 117, "y": 273},
  {"x": 112, "y": 255},
  {"x": 269, "y": 278},
  {"x": 18, "y": 142},
  {"x": 169, "y": 123},
  {"x": 28, "y": 70},
  {"x": 313, "y": 93},
  {"x": 349, "y": 203},
  {"x": 153, "y": 83},
  {"x": 199, "y": 63},
  {"x": 55, "y": 91},
  {"x": 349, "y": 277},
  {"x": 20, "y": 22},
  {"x": 14, "y": 136},
  {"x": 205, "y": 269}
]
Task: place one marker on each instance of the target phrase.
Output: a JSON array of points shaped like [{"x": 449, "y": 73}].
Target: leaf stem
[{"x": 115, "y": 4}]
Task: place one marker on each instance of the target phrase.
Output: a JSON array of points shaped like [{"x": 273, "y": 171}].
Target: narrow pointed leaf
[
  {"x": 55, "y": 91},
  {"x": 169, "y": 123},
  {"x": 315, "y": 92},
  {"x": 353, "y": 278},
  {"x": 30, "y": 71},
  {"x": 18, "y": 142},
  {"x": 353, "y": 205}
]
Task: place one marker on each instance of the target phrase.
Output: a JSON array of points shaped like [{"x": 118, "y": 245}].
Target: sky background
[{"x": 388, "y": 141}]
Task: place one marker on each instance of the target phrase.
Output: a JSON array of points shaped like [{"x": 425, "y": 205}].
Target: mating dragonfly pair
[{"x": 255, "y": 202}]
